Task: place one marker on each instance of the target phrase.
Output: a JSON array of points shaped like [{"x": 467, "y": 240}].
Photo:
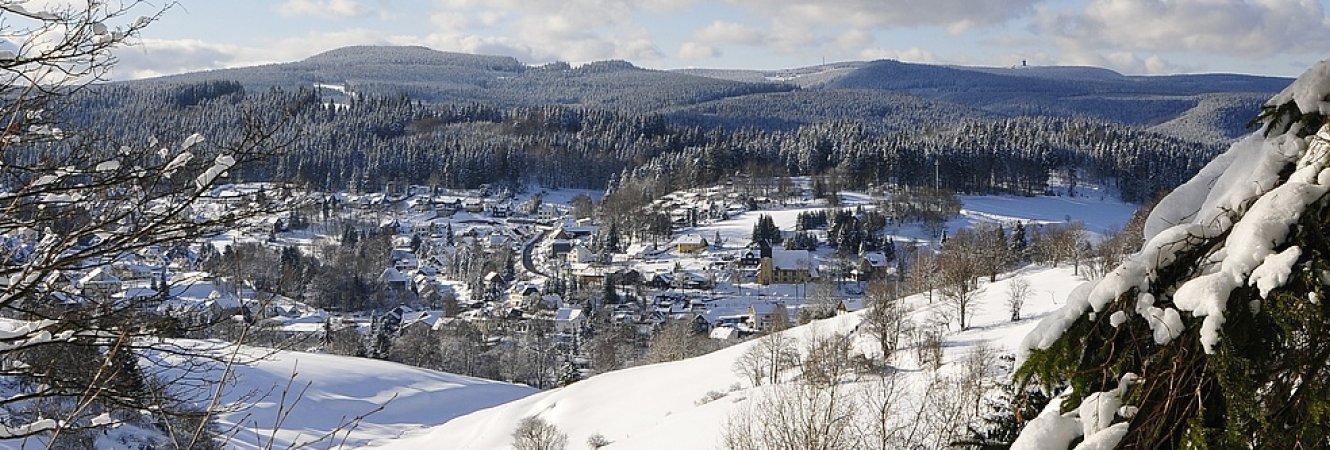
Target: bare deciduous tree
[
  {"x": 677, "y": 340},
  {"x": 885, "y": 319},
  {"x": 961, "y": 268},
  {"x": 596, "y": 441},
  {"x": 826, "y": 359},
  {"x": 1018, "y": 291},
  {"x": 73, "y": 202},
  {"x": 534, "y": 433},
  {"x": 794, "y": 416}
]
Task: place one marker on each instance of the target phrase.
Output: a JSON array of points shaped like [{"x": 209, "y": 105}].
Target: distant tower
[{"x": 1022, "y": 63}]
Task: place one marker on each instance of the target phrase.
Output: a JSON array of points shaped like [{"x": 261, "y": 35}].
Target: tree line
[{"x": 365, "y": 142}]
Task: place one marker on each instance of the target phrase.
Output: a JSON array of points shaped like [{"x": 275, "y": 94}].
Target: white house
[
  {"x": 569, "y": 320},
  {"x": 581, "y": 255}
]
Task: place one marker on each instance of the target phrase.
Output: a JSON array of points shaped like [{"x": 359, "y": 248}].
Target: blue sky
[{"x": 1273, "y": 37}]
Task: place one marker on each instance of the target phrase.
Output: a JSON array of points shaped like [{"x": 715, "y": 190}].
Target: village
[{"x": 368, "y": 268}]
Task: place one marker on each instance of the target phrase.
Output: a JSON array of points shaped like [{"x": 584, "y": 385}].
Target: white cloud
[
  {"x": 322, "y": 8},
  {"x": 893, "y": 13},
  {"x": 1121, "y": 61},
  {"x": 693, "y": 51},
  {"x": 724, "y": 32},
  {"x": 855, "y": 39},
  {"x": 1246, "y": 28},
  {"x": 540, "y": 31},
  {"x": 913, "y": 54},
  {"x": 155, "y": 57}
]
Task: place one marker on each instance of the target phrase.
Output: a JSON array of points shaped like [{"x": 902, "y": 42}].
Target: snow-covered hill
[
  {"x": 662, "y": 406},
  {"x": 315, "y": 400},
  {"x": 341, "y": 388},
  {"x": 326, "y": 392}
]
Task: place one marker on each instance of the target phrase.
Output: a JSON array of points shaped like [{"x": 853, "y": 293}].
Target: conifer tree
[{"x": 1214, "y": 335}]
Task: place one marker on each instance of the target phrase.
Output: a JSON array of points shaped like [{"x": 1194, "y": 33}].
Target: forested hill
[
  {"x": 1186, "y": 106},
  {"x": 374, "y": 140},
  {"x": 364, "y": 116},
  {"x": 441, "y": 77}
]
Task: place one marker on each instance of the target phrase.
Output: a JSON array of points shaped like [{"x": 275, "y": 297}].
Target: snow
[
  {"x": 1105, "y": 440},
  {"x": 191, "y": 141},
  {"x": 1050, "y": 429},
  {"x": 1250, "y": 241},
  {"x": 1308, "y": 92},
  {"x": 1098, "y": 213},
  {"x": 1275, "y": 270},
  {"x": 1097, "y": 411},
  {"x": 1205, "y": 208},
  {"x": 657, "y": 406},
  {"x": 337, "y": 389},
  {"x": 1117, "y": 319},
  {"x": 1093, "y": 420}
]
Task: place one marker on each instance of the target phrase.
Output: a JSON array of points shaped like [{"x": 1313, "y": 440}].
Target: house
[
  {"x": 694, "y": 280},
  {"x": 390, "y": 226},
  {"x": 849, "y": 304},
  {"x": 769, "y": 315},
  {"x": 871, "y": 265},
  {"x": 423, "y": 320},
  {"x": 560, "y": 247},
  {"x": 725, "y": 333},
  {"x": 473, "y": 205},
  {"x": 692, "y": 243},
  {"x": 569, "y": 320},
  {"x": 581, "y": 255},
  {"x": 100, "y": 284},
  {"x": 404, "y": 259},
  {"x": 751, "y": 257},
  {"x": 780, "y": 266},
  {"x": 661, "y": 280},
  {"x": 548, "y": 212},
  {"x": 394, "y": 279},
  {"x": 588, "y": 274},
  {"x": 624, "y": 277}
]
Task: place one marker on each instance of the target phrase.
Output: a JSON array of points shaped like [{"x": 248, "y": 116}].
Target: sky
[{"x": 1267, "y": 37}]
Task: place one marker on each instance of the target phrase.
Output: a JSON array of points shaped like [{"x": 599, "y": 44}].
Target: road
[{"x": 527, "y": 263}]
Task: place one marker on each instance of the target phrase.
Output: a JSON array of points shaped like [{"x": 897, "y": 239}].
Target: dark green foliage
[
  {"x": 810, "y": 220},
  {"x": 1264, "y": 386},
  {"x": 801, "y": 241},
  {"x": 765, "y": 230},
  {"x": 376, "y": 140},
  {"x": 1005, "y": 415}
]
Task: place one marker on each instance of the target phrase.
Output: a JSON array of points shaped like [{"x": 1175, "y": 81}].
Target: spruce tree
[{"x": 1214, "y": 335}]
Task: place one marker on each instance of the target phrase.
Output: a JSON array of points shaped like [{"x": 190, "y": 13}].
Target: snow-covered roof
[
  {"x": 766, "y": 308},
  {"x": 100, "y": 275},
  {"x": 567, "y": 314},
  {"x": 792, "y": 259},
  {"x": 692, "y": 239},
  {"x": 876, "y": 259},
  {"x": 724, "y": 333},
  {"x": 391, "y": 275}
]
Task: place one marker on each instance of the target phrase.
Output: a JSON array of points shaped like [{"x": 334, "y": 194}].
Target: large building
[{"x": 780, "y": 266}]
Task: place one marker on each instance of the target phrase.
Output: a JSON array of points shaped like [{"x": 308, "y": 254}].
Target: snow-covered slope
[
  {"x": 337, "y": 389},
  {"x": 659, "y": 406}
]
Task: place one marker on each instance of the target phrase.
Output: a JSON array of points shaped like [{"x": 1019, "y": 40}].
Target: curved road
[{"x": 526, "y": 254}]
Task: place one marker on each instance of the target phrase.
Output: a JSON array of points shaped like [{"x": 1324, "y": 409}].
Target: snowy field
[
  {"x": 338, "y": 389},
  {"x": 1099, "y": 214},
  {"x": 323, "y": 394},
  {"x": 656, "y": 406}
]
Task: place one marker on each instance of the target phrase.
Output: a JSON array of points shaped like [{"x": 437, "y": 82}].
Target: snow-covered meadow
[{"x": 661, "y": 406}]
